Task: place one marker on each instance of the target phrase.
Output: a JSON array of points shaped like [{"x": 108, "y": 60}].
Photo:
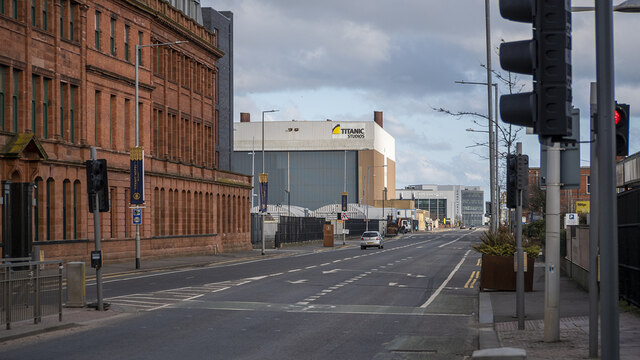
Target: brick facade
[
  {"x": 67, "y": 76},
  {"x": 568, "y": 198}
]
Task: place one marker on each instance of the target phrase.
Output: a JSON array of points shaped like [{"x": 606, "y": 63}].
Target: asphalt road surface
[{"x": 414, "y": 299}]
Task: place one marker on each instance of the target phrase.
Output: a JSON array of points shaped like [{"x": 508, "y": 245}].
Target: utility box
[
  {"x": 327, "y": 232},
  {"x": 76, "y": 291}
]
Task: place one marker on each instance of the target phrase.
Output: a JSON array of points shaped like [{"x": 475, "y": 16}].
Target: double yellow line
[{"x": 474, "y": 277}]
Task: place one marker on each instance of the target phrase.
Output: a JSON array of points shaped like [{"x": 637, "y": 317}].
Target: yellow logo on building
[{"x": 336, "y": 130}]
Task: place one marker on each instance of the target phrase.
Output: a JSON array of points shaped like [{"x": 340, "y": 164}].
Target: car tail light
[{"x": 362, "y": 239}]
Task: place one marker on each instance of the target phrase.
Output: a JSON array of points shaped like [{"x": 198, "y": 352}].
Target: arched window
[
  {"x": 218, "y": 212},
  {"x": 50, "y": 209},
  {"x": 76, "y": 208},
  {"x": 163, "y": 213},
  {"x": 66, "y": 219},
  {"x": 156, "y": 211},
  {"x": 171, "y": 212},
  {"x": 38, "y": 194},
  {"x": 224, "y": 210},
  {"x": 189, "y": 207}
]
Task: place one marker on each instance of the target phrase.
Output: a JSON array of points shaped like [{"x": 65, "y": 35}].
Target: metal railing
[{"x": 29, "y": 290}]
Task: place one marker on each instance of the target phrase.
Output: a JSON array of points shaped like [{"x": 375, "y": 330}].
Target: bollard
[{"x": 76, "y": 292}]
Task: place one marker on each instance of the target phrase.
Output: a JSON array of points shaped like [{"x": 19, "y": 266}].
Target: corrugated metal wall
[{"x": 317, "y": 177}]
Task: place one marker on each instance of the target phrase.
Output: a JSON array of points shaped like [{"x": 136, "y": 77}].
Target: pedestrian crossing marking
[{"x": 163, "y": 298}]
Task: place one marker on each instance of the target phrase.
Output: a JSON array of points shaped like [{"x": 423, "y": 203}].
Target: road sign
[
  {"x": 137, "y": 216},
  {"x": 345, "y": 217}
]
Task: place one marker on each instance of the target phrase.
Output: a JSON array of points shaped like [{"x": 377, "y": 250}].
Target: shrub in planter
[{"x": 498, "y": 249}]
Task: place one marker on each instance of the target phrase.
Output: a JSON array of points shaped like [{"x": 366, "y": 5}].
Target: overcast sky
[{"x": 343, "y": 59}]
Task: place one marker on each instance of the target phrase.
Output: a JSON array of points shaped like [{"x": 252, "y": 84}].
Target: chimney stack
[
  {"x": 377, "y": 117},
  {"x": 245, "y": 117}
]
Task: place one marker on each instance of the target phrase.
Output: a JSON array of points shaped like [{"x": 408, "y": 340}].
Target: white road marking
[
  {"x": 297, "y": 281},
  {"x": 437, "y": 292}
]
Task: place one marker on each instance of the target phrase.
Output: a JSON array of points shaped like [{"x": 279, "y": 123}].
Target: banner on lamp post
[
  {"x": 344, "y": 201},
  {"x": 263, "y": 178},
  {"x": 137, "y": 175}
]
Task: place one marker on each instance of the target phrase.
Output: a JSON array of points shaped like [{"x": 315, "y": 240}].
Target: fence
[
  {"x": 29, "y": 289},
  {"x": 359, "y": 226},
  {"x": 629, "y": 245},
  {"x": 293, "y": 229}
]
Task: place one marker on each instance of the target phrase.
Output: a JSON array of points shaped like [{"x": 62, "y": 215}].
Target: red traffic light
[{"x": 621, "y": 119}]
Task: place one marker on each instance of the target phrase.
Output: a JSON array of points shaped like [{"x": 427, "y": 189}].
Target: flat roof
[{"x": 298, "y": 135}]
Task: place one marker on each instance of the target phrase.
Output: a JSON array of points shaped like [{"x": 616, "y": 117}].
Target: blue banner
[{"x": 137, "y": 176}]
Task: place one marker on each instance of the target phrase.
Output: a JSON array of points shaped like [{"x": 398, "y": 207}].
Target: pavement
[{"x": 499, "y": 325}]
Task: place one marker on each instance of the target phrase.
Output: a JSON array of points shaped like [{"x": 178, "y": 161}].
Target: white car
[{"x": 371, "y": 238}]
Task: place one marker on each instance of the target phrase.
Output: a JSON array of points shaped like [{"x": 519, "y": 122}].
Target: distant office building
[
  {"x": 315, "y": 161},
  {"x": 454, "y": 202},
  {"x": 221, "y": 24}
]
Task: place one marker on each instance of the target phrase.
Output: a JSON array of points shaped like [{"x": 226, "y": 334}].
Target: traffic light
[
  {"x": 621, "y": 117},
  {"x": 522, "y": 172},
  {"x": 520, "y": 57},
  {"x": 517, "y": 178},
  {"x": 547, "y": 56},
  {"x": 97, "y": 183},
  {"x": 553, "y": 25},
  {"x": 512, "y": 181}
]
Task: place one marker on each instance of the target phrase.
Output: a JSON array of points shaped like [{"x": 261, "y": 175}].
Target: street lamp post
[
  {"x": 368, "y": 189},
  {"x": 263, "y": 210},
  {"x": 492, "y": 151},
  {"x": 139, "y": 47}
]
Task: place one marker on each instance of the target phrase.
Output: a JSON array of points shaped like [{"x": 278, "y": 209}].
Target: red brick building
[
  {"x": 568, "y": 198},
  {"x": 67, "y": 83}
]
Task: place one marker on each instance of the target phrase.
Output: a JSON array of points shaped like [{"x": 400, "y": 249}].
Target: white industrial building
[{"x": 310, "y": 163}]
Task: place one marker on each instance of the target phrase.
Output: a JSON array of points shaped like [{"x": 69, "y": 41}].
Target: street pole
[
  {"x": 137, "y": 116},
  {"x": 139, "y": 47},
  {"x": 253, "y": 168},
  {"x": 288, "y": 185},
  {"x": 492, "y": 165},
  {"x": 263, "y": 213},
  {"x": 496, "y": 160},
  {"x": 552, "y": 246},
  {"x": 519, "y": 254},
  {"x": 96, "y": 236},
  {"x": 593, "y": 228},
  {"x": 367, "y": 199},
  {"x": 344, "y": 191},
  {"x": 607, "y": 217}
]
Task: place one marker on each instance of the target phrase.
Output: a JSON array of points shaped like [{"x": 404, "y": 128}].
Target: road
[{"x": 414, "y": 299}]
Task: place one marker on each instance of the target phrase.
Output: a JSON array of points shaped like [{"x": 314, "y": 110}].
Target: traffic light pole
[
  {"x": 552, "y": 246},
  {"x": 96, "y": 233},
  {"x": 519, "y": 254},
  {"x": 607, "y": 218},
  {"x": 593, "y": 228}
]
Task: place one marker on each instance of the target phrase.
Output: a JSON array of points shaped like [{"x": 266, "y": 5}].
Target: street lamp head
[{"x": 629, "y": 6}]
